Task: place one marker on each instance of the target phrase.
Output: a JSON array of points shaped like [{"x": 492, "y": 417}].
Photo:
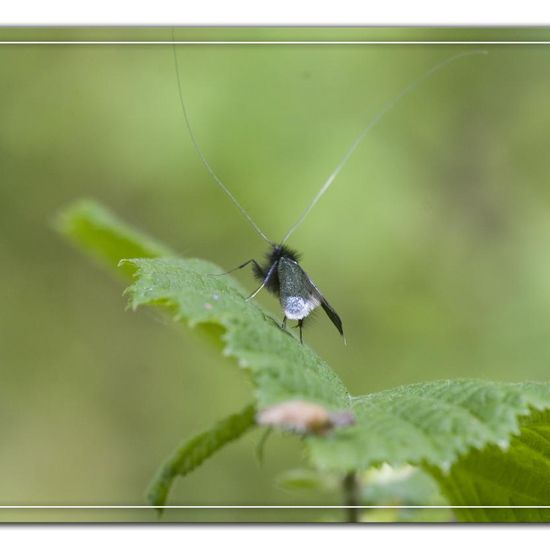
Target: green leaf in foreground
[
  {"x": 194, "y": 451},
  {"x": 519, "y": 476},
  {"x": 105, "y": 237},
  {"x": 281, "y": 368},
  {"x": 439, "y": 425},
  {"x": 432, "y": 423}
]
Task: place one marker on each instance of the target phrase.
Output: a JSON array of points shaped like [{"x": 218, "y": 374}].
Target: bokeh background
[{"x": 432, "y": 244}]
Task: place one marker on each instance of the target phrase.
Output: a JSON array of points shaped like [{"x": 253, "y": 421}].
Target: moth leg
[
  {"x": 282, "y": 326},
  {"x": 253, "y": 295},
  {"x": 300, "y": 325},
  {"x": 264, "y": 282},
  {"x": 256, "y": 264}
]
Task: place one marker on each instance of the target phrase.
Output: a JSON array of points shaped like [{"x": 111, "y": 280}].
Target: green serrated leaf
[
  {"x": 431, "y": 423},
  {"x": 517, "y": 476},
  {"x": 194, "y": 451},
  {"x": 104, "y": 236},
  {"x": 434, "y": 425},
  {"x": 281, "y": 368}
]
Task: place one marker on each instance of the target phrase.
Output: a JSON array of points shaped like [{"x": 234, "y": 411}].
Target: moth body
[{"x": 282, "y": 275}]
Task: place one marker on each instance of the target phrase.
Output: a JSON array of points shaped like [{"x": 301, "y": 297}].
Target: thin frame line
[
  {"x": 254, "y": 507},
  {"x": 266, "y": 42},
  {"x": 256, "y": 43}
]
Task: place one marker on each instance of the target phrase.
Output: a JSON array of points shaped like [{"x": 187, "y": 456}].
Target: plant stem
[{"x": 350, "y": 486}]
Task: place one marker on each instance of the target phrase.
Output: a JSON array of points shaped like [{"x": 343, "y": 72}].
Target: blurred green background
[{"x": 431, "y": 245}]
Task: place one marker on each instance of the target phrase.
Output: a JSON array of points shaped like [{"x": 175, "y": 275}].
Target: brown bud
[{"x": 304, "y": 417}]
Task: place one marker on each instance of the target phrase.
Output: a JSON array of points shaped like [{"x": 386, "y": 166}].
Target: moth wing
[
  {"x": 329, "y": 310},
  {"x": 297, "y": 295}
]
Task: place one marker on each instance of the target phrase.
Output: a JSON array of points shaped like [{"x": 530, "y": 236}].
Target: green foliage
[
  {"x": 301, "y": 479},
  {"x": 386, "y": 487},
  {"x": 517, "y": 477},
  {"x": 430, "y": 423},
  {"x": 105, "y": 237},
  {"x": 405, "y": 486},
  {"x": 281, "y": 368},
  {"x": 465, "y": 432},
  {"x": 194, "y": 451}
]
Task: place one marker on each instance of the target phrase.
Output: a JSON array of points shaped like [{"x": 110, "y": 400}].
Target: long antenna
[
  {"x": 374, "y": 121},
  {"x": 203, "y": 158}
]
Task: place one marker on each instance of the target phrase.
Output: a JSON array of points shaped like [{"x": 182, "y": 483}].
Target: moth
[{"x": 281, "y": 273}]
